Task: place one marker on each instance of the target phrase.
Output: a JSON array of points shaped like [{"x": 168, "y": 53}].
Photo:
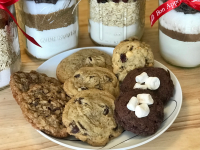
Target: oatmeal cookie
[
  {"x": 82, "y": 58},
  {"x": 89, "y": 117},
  {"x": 129, "y": 55},
  {"x": 166, "y": 89},
  {"x": 88, "y": 78},
  {"x": 129, "y": 121},
  {"x": 42, "y": 101}
]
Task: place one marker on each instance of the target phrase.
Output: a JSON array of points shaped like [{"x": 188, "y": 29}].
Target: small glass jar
[
  {"x": 52, "y": 23},
  {"x": 179, "y": 36},
  {"x": 10, "y": 59},
  {"x": 112, "y": 21}
]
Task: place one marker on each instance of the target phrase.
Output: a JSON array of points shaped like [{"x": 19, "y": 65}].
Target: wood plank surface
[{"x": 184, "y": 134}]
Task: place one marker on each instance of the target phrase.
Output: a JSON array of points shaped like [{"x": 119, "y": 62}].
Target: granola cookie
[
  {"x": 82, "y": 58},
  {"x": 88, "y": 78},
  {"x": 42, "y": 101},
  {"x": 129, "y": 55},
  {"x": 89, "y": 117}
]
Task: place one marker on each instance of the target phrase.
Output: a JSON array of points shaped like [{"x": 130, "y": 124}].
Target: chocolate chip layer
[{"x": 46, "y": 1}]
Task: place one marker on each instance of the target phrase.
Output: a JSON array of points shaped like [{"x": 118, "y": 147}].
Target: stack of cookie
[
  {"x": 89, "y": 81},
  {"x": 87, "y": 101}
]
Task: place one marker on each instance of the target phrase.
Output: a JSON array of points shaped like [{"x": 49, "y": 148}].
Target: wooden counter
[{"x": 16, "y": 133}]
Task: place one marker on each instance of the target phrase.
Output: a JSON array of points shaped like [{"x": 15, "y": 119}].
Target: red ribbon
[
  {"x": 3, "y": 5},
  {"x": 172, "y": 4}
]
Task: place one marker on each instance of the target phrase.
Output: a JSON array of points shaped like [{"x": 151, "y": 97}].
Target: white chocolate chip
[
  {"x": 141, "y": 78},
  {"x": 142, "y": 110},
  {"x": 139, "y": 86},
  {"x": 152, "y": 83},
  {"x": 133, "y": 102},
  {"x": 145, "y": 98}
]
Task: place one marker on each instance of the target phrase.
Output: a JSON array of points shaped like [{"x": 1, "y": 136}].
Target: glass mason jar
[
  {"x": 179, "y": 36},
  {"x": 112, "y": 21},
  {"x": 10, "y": 59},
  {"x": 52, "y": 23}
]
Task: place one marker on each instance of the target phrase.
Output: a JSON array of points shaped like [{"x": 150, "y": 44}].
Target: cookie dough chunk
[
  {"x": 92, "y": 78},
  {"x": 129, "y": 55},
  {"x": 166, "y": 89},
  {"x": 89, "y": 117},
  {"x": 129, "y": 121},
  {"x": 82, "y": 58},
  {"x": 42, "y": 101}
]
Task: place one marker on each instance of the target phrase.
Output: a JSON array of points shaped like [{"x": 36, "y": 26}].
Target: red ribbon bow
[
  {"x": 172, "y": 4},
  {"x": 3, "y": 5}
]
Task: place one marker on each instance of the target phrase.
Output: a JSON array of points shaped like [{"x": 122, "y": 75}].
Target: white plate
[{"x": 127, "y": 139}]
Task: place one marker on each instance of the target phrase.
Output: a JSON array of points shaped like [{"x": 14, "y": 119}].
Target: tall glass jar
[
  {"x": 10, "y": 59},
  {"x": 112, "y": 21},
  {"x": 179, "y": 36},
  {"x": 52, "y": 23}
]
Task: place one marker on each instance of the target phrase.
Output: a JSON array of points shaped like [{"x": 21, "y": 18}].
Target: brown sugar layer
[
  {"x": 165, "y": 91},
  {"x": 58, "y": 19}
]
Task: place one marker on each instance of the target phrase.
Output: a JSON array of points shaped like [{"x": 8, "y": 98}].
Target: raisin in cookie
[
  {"x": 129, "y": 55},
  {"x": 42, "y": 101},
  {"x": 83, "y": 58},
  {"x": 92, "y": 78},
  {"x": 129, "y": 121},
  {"x": 89, "y": 117},
  {"x": 166, "y": 88}
]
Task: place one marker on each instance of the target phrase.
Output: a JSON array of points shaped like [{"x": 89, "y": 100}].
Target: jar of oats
[
  {"x": 52, "y": 23},
  {"x": 112, "y": 21},
  {"x": 10, "y": 59}
]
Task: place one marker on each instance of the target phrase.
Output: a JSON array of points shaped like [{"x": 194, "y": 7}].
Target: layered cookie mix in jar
[
  {"x": 179, "y": 36},
  {"x": 9, "y": 47},
  {"x": 52, "y": 23},
  {"x": 112, "y": 21}
]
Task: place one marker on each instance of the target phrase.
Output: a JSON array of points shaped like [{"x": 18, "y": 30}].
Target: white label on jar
[{"x": 52, "y": 41}]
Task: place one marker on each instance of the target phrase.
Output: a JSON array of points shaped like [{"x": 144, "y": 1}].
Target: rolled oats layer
[
  {"x": 7, "y": 55},
  {"x": 117, "y": 14}
]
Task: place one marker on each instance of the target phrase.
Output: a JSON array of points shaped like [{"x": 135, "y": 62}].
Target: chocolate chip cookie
[
  {"x": 89, "y": 117},
  {"x": 129, "y": 121},
  {"x": 88, "y": 78},
  {"x": 82, "y": 58},
  {"x": 42, "y": 101},
  {"x": 166, "y": 88},
  {"x": 129, "y": 55}
]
